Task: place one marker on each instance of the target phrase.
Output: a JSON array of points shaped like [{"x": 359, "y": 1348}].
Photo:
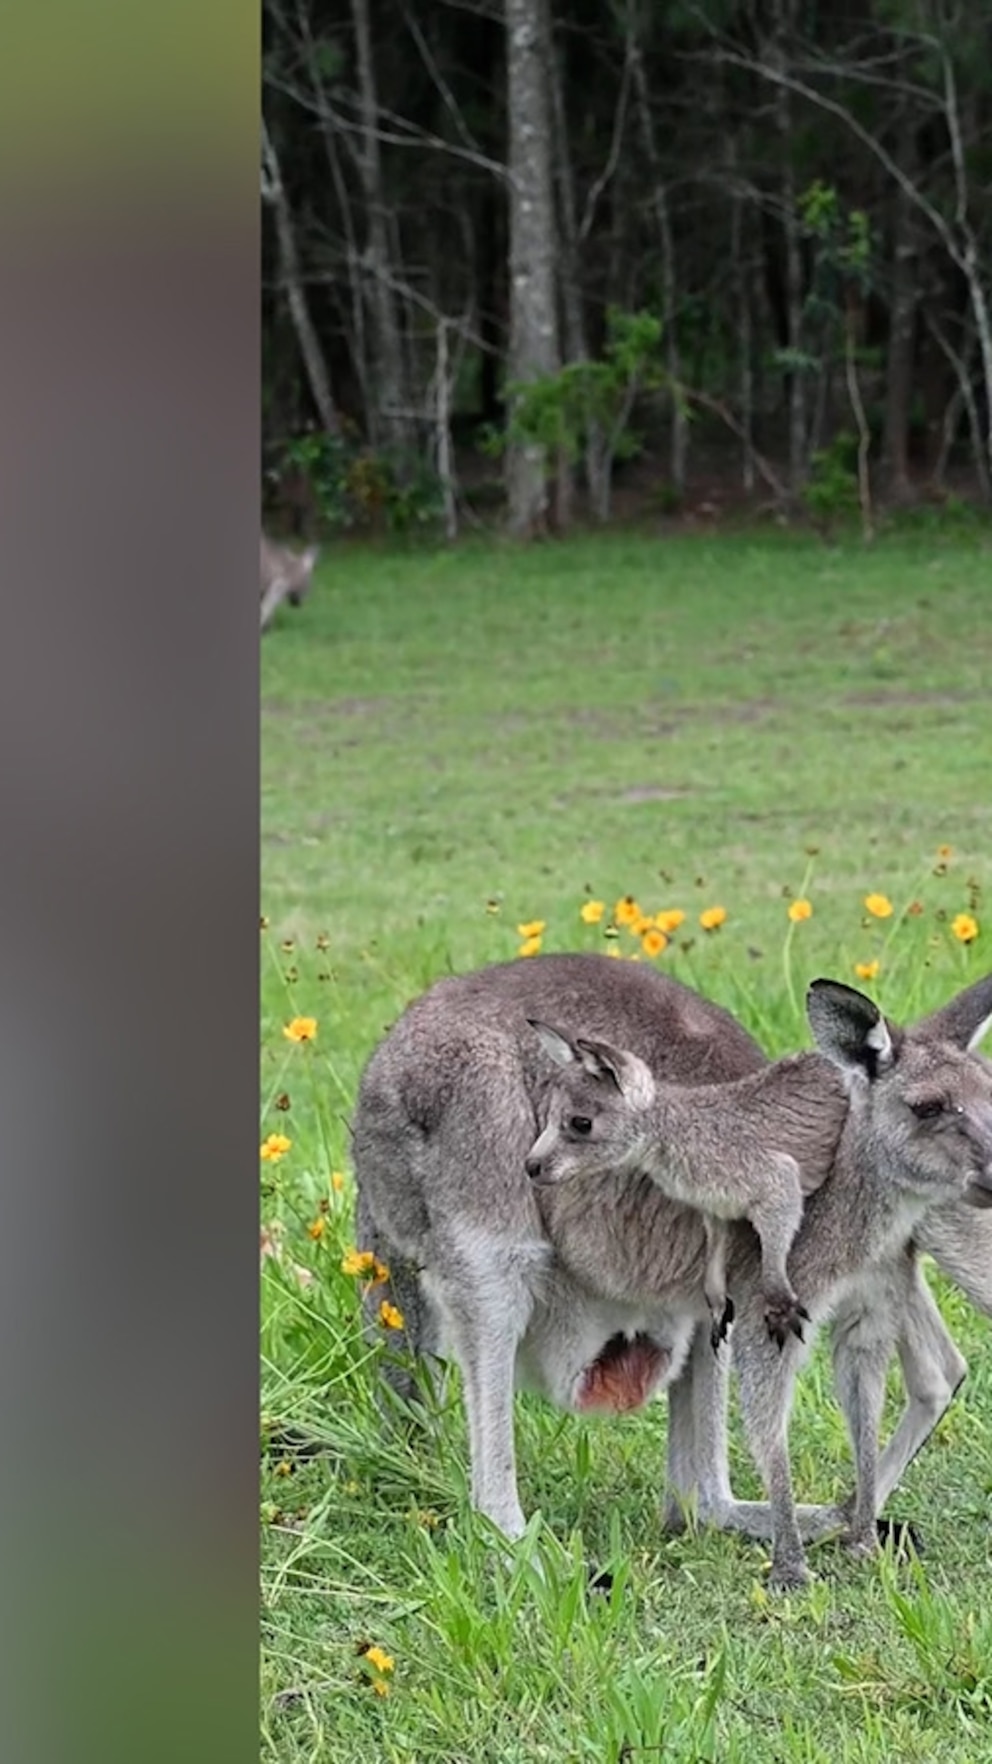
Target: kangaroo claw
[
  {"x": 721, "y": 1324},
  {"x": 784, "y": 1317}
]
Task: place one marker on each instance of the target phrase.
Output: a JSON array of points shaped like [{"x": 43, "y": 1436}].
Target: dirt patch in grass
[
  {"x": 881, "y": 699},
  {"x": 652, "y": 793},
  {"x": 314, "y": 708},
  {"x": 655, "y": 720}
]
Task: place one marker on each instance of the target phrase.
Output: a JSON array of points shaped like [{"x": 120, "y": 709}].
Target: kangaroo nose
[{"x": 533, "y": 1167}]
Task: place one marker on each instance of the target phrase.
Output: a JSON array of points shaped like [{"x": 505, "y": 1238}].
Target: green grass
[{"x": 685, "y": 720}]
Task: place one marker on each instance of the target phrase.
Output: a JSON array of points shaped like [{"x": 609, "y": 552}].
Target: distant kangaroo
[
  {"x": 285, "y": 575},
  {"x": 733, "y": 1151},
  {"x": 592, "y": 1290}
]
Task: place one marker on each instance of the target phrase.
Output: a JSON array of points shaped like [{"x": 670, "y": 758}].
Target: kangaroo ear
[
  {"x": 630, "y": 1075},
  {"x": 601, "y": 1061},
  {"x": 849, "y": 1029},
  {"x": 555, "y": 1045},
  {"x": 965, "y": 1021}
]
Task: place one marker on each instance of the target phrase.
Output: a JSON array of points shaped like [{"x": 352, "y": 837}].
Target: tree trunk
[
  {"x": 679, "y": 430},
  {"x": 853, "y": 323},
  {"x": 533, "y": 311},
  {"x": 902, "y": 337},
  {"x": 576, "y": 345},
  {"x": 948, "y": 435},
  {"x": 274, "y": 193},
  {"x": 442, "y": 430},
  {"x": 355, "y": 336},
  {"x": 776, "y": 60},
  {"x": 389, "y": 407},
  {"x": 793, "y": 295},
  {"x": 679, "y": 442},
  {"x": 745, "y": 322},
  {"x": 962, "y": 368}
]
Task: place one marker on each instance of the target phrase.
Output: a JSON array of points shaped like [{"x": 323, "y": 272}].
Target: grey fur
[
  {"x": 596, "y": 1298},
  {"x": 285, "y": 575},
  {"x": 607, "y": 1117}
]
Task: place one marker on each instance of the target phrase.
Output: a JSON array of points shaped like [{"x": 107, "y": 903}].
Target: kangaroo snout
[{"x": 540, "y": 1159}]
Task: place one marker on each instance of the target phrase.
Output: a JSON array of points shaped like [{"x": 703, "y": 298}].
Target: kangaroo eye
[
  {"x": 581, "y": 1125},
  {"x": 928, "y": 1109}
]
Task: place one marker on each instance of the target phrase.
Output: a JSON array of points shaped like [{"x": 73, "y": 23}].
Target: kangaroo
[
  {"x": 609, "y": 1117},
  {"x": 884, "y": 1174},
  {"x": 285, "y": 576},
  {"x": 595, "y": 1300}
]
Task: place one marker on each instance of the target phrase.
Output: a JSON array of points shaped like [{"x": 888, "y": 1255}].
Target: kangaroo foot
[
  {"x": 721, "y": 1324},
  {"x": 862, "y": 1544},
  {"x": 789, "y": 1574},
  {"x": 785, "y": 1316}
]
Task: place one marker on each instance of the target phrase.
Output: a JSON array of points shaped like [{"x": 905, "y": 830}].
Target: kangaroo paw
[
  {"x": 721, "y": 1324},
  {"x": 785, "y": 1316},
  {"x": 789, "y": 1575}
]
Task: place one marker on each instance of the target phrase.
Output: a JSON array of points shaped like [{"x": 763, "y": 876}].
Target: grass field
[{"x": 455, "y": 744}]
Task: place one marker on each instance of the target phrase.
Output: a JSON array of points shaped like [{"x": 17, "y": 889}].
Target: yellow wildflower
[
  {"x": 381, "y": 1687},
  {"x": 626, "y": 911},
  {"x": 653, "y": 942},
  {"x": 866, "y": 970},
  {"x": 533, "y": 928},
  {"x": 390, "y": 1315},
  {"x": 531, "y": 947},
  {"x": 914, "y": 909},
  {"x": 711, "y": 918},
  {"x": 800, "y": 909},
  {"x": 614, "y": 950},
  {"x": 285, "y": 1468},
  {"x": 639, "y": 925},
  {"x": 669, "y": 921},
  {"x": 879, "y": 905},
  {"x": 274, "y": 1147},
  {"x": 944, "y": 852},
  {"x": 592, "y": 911},
  {"x": 965, "y": 927},
  {"x": 357, "y": 1262},
  {"x": 379, "y": 1273},
  {"x": 337, "y": 1180},
  {"x": 378, "y": 1658},
  {"x": 301, "y": 1029},
  {"x": 316, "y": 1229}
]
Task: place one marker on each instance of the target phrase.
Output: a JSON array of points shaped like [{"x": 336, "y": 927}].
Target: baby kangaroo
[
  {"x": 748, "y": 1150},
  {"x": 917, "y": 1132}
]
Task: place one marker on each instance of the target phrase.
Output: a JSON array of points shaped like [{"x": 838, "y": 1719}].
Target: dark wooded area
[{"x": 741, "y": 245}]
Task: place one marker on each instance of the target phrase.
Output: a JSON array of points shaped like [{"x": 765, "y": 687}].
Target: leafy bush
[
  {"x": 832, "y": 489},
  {"x": 355, "y": 487}
]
